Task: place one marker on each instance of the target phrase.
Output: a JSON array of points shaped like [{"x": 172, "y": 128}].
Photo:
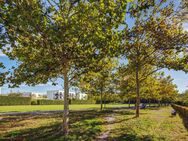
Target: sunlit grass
[
  {"x": 27, "y": 108},
  {"x": 153, "y": 125},
  {"x": 83, "y": 125}
]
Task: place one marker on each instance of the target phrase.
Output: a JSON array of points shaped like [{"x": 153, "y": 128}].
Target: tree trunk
[
  {"x": 104, "y": 104},
  {"x": 129, "y": 103},
  {"x": 159, "y": 103},
  {"x": 149, "y": 102},
  {"x": 66, "y": 104},
  {"x": 104, "y": 101},
  {"x": 137, "y": 93},
  {"x": 101, "y": 101}
]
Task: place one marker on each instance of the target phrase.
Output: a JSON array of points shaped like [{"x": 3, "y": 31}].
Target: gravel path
[
  {"x": 39, "y": 112},
  {"x": 104, "y": 136},
  {"x": 30, "y": 113},
  {"x": 48, "y": 112}
]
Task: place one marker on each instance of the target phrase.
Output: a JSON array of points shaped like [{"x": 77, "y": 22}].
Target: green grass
[
  {"x": 27, "y": 108},
  {"x": 152, "y": 125},
  {"x": 85, "y": 125}
]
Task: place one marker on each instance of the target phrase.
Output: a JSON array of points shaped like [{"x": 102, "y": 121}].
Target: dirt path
[
  {"x": 39, "y": 112},
  {"x": 104, "y": 136}
]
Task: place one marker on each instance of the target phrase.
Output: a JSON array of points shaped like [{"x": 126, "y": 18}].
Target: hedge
[
  {"x": 60, "y": 102},
  {"x": 11, "y": 100},
  {"x": 182, "y": 110},
  {"x": 82, "y": 102},
  {"x": 182, "y": 103},
  {"x": 49, "y": 102},
  {"x": 34, "y": 102},
  {"x": 14, "y": 100}
]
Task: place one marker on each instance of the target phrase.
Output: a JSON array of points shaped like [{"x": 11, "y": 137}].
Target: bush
[
  {"x": 14, "y": 100},
  {"x": 49, "y": 102},
  {"x": 34, "y": 102},
  {"x": 82, "y": 102},
  {"x": 182, "y": 110},
  {"x": 182, "y": 103}
]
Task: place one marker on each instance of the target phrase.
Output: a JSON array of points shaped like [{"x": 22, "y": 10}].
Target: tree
[
  {"x": 166, "y": 89},
  {"x": 156, "y": 41},
  {"x": 153, "y": 87},
  {"x": 184, "y": 10},
  {"x": 100, "y": 82},
  {"x": 148, "y": 86},
  {"x": 183, "y": 98},
  {"x": 126, "y": 83},
  {"x": 15, "y": 94},
  {"x": 2, "y": 74},
  {"x": 52, "y": 39}
]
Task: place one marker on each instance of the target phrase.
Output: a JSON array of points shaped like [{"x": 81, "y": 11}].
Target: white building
[
  {"x": 59, "y": 94},
  {"x": 32, "y": 94}
]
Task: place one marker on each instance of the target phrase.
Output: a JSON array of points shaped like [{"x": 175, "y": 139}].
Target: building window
[
  {"x": 56, "y": 96},
  {"x": 60, "y": 95}
]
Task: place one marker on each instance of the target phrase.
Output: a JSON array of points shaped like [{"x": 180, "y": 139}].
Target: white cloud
[{"x": 42, "y": 85}]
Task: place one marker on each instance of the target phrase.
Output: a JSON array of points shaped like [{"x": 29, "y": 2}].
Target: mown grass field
[
  {"x": 85, "y": 125},
  {"x": 27, "y": 108},
  {"x": 153, "y": 125}
]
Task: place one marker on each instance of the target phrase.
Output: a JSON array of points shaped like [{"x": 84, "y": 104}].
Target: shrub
[
  {"x": 34, "y": 102},
  {"x": 82, "y": 102},
  {"x": 182, "y": 103},
  {"x": 49, "y": 102},
  {"x": 14, "y": 100}
]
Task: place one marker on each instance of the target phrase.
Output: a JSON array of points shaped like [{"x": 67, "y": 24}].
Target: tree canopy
[
  {"x": 61, "y": 39},
  {"x": 76, "y": 40},
  {"x": 100, "y": 82},
  {"x": 156, "y": 40}
]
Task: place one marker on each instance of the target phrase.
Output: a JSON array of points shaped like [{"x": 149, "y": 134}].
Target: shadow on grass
[
  {"x": 154, "y": 108},
  {"x": 86, "y": 130},
  {"x": 123, "y": 112},
  {"x": 84, "y": 125},
  {"x": 34, "y": 134},
  {"x": 131, "y": 137},
  {"x": 80, "y": 115},
  {"x": 127, "y": 134},
  {"x": 185, "y": 120}
]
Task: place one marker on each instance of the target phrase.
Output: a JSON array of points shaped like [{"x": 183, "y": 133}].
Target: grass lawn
[
  {"x": 84, "y": 125},
  {"x": 153, "y": 125},
  {"x": 27, "y": 108}
]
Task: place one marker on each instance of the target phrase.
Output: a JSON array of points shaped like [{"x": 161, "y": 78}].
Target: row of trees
[
  {"x": 68, "y": 39},
  {"x": 117, "y": 83},
  {"x": 183, "y": 99}
]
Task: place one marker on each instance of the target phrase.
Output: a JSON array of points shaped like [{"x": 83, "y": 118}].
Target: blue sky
[
  {"x": 180, "y": 78},
  {"x": 41, "y": 88}
]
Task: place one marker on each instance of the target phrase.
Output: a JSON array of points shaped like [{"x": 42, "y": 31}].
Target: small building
[
  {"x": 37, "y": 95},
  {"x": 59, "y": 95},
  {"x": 55, "y": 94}
]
